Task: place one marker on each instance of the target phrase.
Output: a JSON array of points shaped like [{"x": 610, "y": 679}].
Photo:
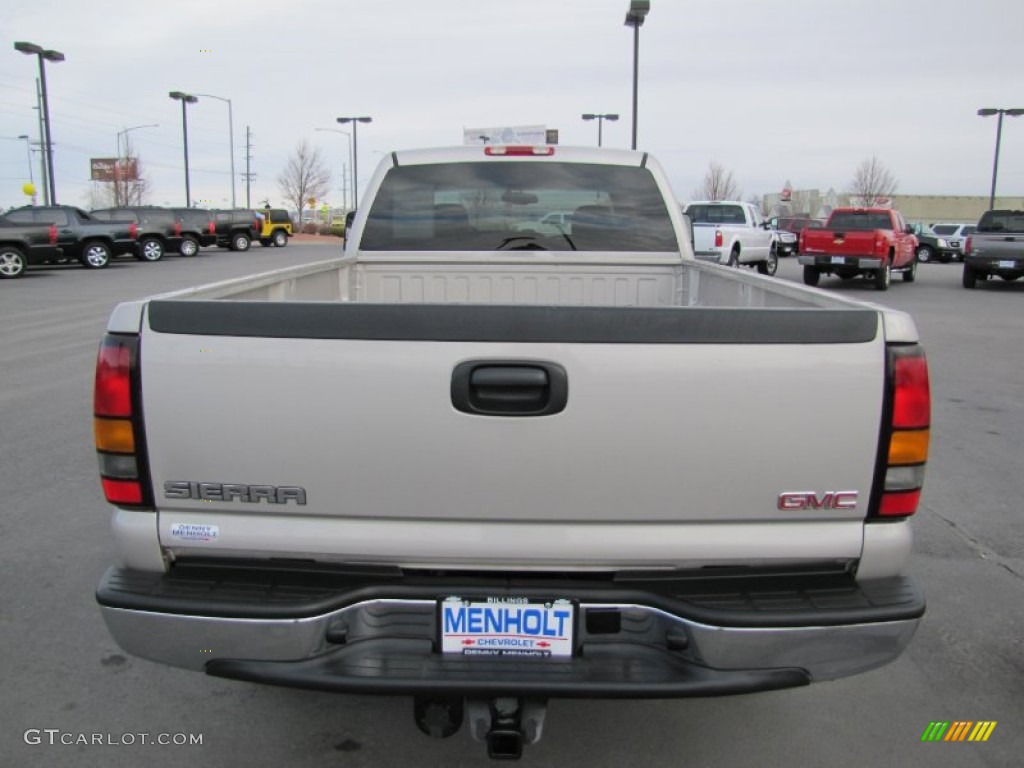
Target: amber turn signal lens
[
  {"x": 114, "y": 435},
  {"x": 909, "y": 446}
]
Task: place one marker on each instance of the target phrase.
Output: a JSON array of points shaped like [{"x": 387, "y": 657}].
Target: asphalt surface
[{"x": 61, "y": 670}]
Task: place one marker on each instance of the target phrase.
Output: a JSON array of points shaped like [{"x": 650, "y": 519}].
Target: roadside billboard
[{"x": 113, "y": 169}]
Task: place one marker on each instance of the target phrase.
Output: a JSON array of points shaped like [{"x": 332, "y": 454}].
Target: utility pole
[{"x": 248, "y": 175}]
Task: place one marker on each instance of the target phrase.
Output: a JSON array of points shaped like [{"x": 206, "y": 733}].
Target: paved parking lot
[{"x": 62, "y": 671}]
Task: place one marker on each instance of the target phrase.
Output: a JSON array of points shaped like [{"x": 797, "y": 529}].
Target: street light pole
[
  {"x": 600, "y": 120},
  {"x": 344, "y": 170},
  {"x": 988, "y": 112},
  {"x": 117, "y": 167},
  {"x": 185, "y": 99},
  {"x": 355, "y": 153},
  {"x": 41, "y": 144},
  {"x": 231, "y": 140},
  {"x": 638, "y": 10},
  {"x": 44, "y": 56}
]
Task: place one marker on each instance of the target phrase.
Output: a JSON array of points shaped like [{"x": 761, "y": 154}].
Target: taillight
[
  {"x": 212, "y": 227},
  {"x": 53, "y": 234},
  {"x": 518, "y": 151},
  {"x": 133, "y": 230},
  {"x": 908, "y": 431},
  {"x": 177, "y": 229},
  {"x": 718, "y": 238},
  {"x": 117, "y": 423},
  {"x": 967, "y": 245}
]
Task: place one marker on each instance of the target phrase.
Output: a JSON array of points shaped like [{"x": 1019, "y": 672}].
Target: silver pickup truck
[
  {"x": 995, "y": 249},
  {"x": 486, "y": 468}
]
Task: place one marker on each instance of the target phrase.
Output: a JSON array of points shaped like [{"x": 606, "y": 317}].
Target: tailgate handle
[{"x": 509, "y": 388}]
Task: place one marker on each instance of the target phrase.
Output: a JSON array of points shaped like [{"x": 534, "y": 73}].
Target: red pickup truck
[{"x": 874, "y": 242}]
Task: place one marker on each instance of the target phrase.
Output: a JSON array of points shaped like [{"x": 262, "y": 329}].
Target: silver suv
[{"x": 955, "y": 235}]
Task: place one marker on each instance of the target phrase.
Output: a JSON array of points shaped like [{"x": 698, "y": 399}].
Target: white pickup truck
[
  {"x": 733, "y": 233},
  {"x": 486, "y": 468}
]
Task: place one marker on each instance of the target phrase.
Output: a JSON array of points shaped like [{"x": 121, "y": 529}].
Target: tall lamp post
[
  {"x": 44, "y": 56},
  {"x": 348, "y": 138},
  {"x": 600, "y": 121},
  {"x": 638, "y": 10},
  {"x": 117, "y": 171},
  {"x": 355, "y": 153},
  {"x": 185, "y": 99},
  {"x": 988, "y": 112},
  {"x": 231, "y": 140}
]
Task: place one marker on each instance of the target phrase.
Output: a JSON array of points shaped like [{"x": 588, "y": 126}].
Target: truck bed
[{"x": 321, "y": 389}]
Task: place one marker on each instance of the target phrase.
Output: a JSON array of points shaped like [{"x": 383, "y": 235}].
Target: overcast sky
[{"x": 801, "y": 90}]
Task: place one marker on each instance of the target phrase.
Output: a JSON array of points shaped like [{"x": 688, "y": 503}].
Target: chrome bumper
[{"x": 193, "y": 641}]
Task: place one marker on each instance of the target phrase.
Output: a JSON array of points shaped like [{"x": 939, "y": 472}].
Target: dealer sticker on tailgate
[{"x": 507, "y": 626}]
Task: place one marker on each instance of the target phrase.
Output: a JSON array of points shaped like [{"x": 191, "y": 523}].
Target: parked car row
[{"x": 62, "y": 234}]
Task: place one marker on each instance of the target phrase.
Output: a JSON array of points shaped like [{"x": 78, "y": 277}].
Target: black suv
[
  {"x": 198, "y": 228},
  {"x": 236, "y": 229},
  {"x": 932, "y": 246},
  {"x": 155, "y": 227}
]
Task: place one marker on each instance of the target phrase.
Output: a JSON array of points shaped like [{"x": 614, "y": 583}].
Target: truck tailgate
[
  {"x": 365, "y": 426},
  {"x": 839, "y": 243}
]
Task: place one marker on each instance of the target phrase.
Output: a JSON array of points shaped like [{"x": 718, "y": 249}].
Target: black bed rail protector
[{"x": 508, "y": 323}]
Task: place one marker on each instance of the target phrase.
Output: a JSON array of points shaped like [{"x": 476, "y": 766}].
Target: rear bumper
[
  {"x": 996, "y": 265},
  {"x": 660, "y": 638},
  {"x": 828, "y": 262}
]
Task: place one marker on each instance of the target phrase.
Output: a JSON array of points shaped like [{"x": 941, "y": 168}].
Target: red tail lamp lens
[{"x": 113, "y": 393}]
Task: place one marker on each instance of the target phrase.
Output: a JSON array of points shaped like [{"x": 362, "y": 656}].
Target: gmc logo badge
[{"x": 800, "y": 500}]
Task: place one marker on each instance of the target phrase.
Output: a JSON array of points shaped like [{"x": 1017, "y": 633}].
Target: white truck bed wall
[{"x": 643, "y": 282}]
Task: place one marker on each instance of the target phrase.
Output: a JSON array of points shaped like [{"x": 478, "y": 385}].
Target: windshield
[
  {"x": 511, "y": 205},
  {"x": 859, "y": 221}
]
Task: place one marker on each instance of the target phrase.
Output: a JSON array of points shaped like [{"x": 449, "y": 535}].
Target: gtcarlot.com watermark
[{"x": 56, "y": 737}]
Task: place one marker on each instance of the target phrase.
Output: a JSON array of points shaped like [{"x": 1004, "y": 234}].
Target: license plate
[
  {"x": 838, "y": 259},
  {"x": 1007, "y": 264},
  {"x": 507, "y": 626}
]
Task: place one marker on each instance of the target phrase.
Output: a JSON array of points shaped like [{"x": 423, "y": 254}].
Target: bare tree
[
  {"x": 872, "y": 183},
  {"x": 719, "y": 184},
  {"x": 305, "y": 176},
  {"x": 129, "y": 186},
  {"x": 130, "y": 183}
]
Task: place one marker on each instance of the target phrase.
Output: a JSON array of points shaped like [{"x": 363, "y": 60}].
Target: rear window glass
[
  {"x": 716, "y": 214},
  {"x": 1002, "y": 221},
  {"x": 508, "y": 205},
  {"x": 859, "y": 221}
]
